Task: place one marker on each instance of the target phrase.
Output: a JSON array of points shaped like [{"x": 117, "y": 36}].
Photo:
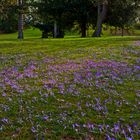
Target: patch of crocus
[{"x": 71, "y": 95}]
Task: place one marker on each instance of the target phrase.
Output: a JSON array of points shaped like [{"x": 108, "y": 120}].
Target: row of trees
[{"x": 63, "y": 14}]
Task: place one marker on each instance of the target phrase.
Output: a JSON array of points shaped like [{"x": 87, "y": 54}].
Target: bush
[{"x": 137, "y": 26}]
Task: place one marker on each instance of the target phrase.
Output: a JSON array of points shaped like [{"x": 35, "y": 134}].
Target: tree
[
  {"x": 83, "y": 13},
  {"x": 101, "y": 15},
  {"x": 11, "y": 18},
  {"x": 8, "y": 18},
  {"x": 52, "y": 11},
  {"x": 122, "y": 13}
]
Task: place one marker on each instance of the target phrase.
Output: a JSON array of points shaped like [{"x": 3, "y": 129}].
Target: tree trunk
[
  {"x": 20, "y": 20},
  {"x": 102, "y": 10},
  {"x": 116, "y": 30},
  {"x": 83, "y": 29},
  {"x": 44, "y": 34},
  {"x": 58, "y": 31},
  {"x": 122, "y": 31},
  {"x": 55, "y": 29}
]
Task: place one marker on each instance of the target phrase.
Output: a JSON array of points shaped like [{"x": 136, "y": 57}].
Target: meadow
[{"x": 69, "y": 89}]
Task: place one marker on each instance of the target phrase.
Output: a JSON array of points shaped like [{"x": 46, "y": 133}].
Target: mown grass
[{"x": 71, "y": 88}]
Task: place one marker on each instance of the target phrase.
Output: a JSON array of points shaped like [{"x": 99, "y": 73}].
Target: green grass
[{"x": 64, "y": 60}]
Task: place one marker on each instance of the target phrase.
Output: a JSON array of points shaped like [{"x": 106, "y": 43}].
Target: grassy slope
[{"x": 35, "y": 50}]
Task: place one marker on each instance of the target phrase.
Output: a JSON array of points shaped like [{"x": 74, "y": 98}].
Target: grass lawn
[{"x": 71, "y": 88}]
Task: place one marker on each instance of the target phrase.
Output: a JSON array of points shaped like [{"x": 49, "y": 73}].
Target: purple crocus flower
[
  {"x": 129, "y": 138},
  {"x": 116, "y": 128},
  {"x": 4, "y": 120},
  {"x": 108, "y": 137},
  {"x": 45, "y": 118},
  {"x": 4, "y": 94},
  {"x": 90, "y": 126},
  {"x": 137, "y": 67},
  {"x": 33, "y": 129},
  {"x": 98, "y": 74}
]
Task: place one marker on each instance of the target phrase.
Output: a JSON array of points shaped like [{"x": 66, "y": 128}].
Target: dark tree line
[{"x": 55, "y": 16}]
